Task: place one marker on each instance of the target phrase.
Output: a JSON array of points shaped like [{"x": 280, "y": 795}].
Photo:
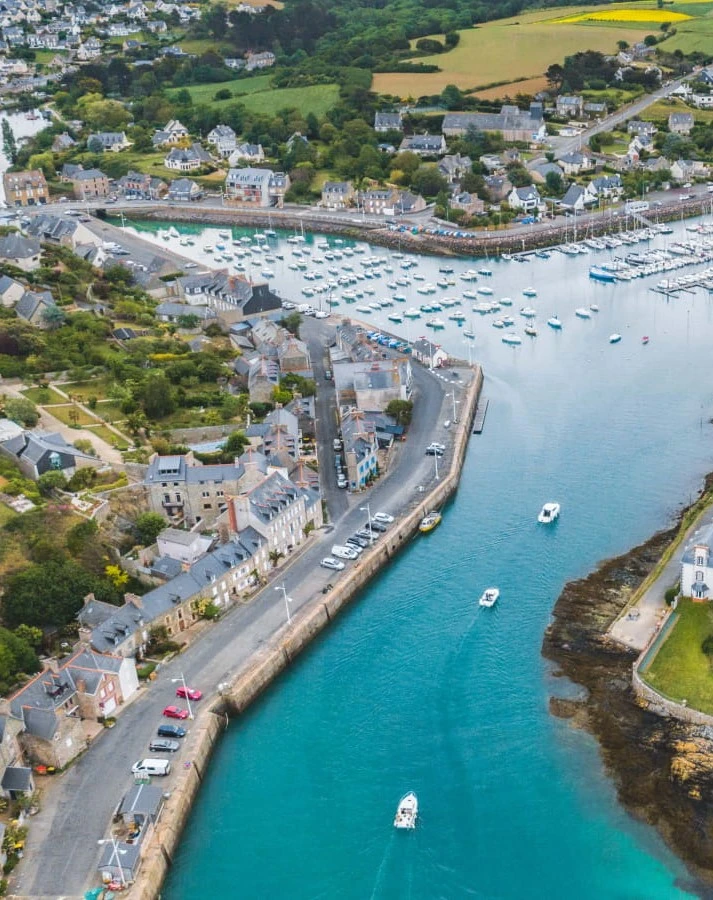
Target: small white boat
[
  {"x": 529, "y": 292},
  {"x": 485, "y": 271},
  {"x": 614, "y": 338},
  {"x": 469, "y": 333},
  {"x": 513, "y": 340},
  {"x": 489, "y": 597},
  {"x": 485, "y": 291},
  {"x": 548, "y": 513},
  {"x": 583, "y": 313},
  {"x": 528, "y": 312},
  {"x": 498, "y": 323},
  {"x": 506, "y": 301},
  {"x": 531, "y": 330},
  {"x": 406, "y": 811},
  {"x": 555, "y": 323},
  {"x": 594, "y": 307}
]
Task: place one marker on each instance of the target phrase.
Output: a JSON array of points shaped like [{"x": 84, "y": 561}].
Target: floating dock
[{"x": 479, "y": 418}]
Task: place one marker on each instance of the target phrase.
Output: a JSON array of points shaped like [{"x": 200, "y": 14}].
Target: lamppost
[
  {"x": 115, "y": 855},
  {"x": 435, "y": 460},
  {"x": 288, "y": 600},
  {"x": 182, "y": 680},
  {"x": 367, "y": 509},
  {"x": 455, "y": 403}
]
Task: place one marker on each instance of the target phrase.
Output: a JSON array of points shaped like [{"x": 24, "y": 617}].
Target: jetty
[{"x": 479, "y": 418}]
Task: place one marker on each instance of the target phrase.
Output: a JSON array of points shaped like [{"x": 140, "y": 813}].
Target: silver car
[{"x": 164, "y": 745}]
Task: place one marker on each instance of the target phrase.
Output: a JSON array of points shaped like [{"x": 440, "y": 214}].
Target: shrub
[{"x": 671, "y": 594}]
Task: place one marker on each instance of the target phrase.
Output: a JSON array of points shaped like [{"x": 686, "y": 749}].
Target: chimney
[
  {"x": 52, "y": 665},
  {"x": 90, "y": 598},
  {"x": 185, "y": 567},
  {"x": 81, "y": 686},
  {"x": 232, "y": 517},
  {"x": 134, "y": 599}
]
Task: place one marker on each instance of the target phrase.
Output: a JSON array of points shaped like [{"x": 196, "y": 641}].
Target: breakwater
[
  {"x": 248, "y": 684},
  {"x": 507, "y": 240}
]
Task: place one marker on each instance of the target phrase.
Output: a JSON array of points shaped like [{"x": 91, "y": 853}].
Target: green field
[
  {"x": 83, "y": 390},
  {"x": 257, "y": 96},
  {"x": 112, "y": 439},
  {"x": 661, "y": 110},
  {"x": 695, "y": 34},
  {"x": 680, "y": 669},
  {"x": 43, "y": 395}
]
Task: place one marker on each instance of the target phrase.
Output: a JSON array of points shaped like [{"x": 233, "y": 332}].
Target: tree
[
  {"x": 9, "y": 144},
  {"x": 236, "y": 444},
  {"x": 188, "y": 320},
  {"x": 95, "y": 145},
  {"x": 22, "y": 411},
  {"x": 707, "y": 648},
  {"x": 50, "y": 593},
  {"x": 116, "y": 575},
  {"x": 427, "y": 180},
  {"x": 292, "y": 323},
  {"x": 157, "y": 396},
  {"x": 650, "y": 40},
  {"x": 451, "y": 97},
  {"x": 148, "y": 526},
  {"x": 275, "y": 556},
  {"x": 401, "y": 410},
  {"x": 53, "y": 316},
  {"x": 29, "y": 634},
  {"x": 51, "y": 481},
  {"x": 555, "y": 76},
  {"x": 622, "y": 45},
  {"x": 553, "y": 182}
]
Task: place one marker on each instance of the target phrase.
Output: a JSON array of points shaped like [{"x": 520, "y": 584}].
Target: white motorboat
[
  {"x": 506, "y": 301},
  {"x": 484, "y": 270},
  {"x": 529, "y": 292},
  {"x": 531, "y": 330},
  {"x": 469, "y": 333},
  {"x": 513, "y": 340},
  {"x": 406, "y": 811},
  {"x": 498, "y": 323},
  {"x": 614, "y": 338},
  {"x": 555, "y": 323},
  {"x": 489, "y": 597},
  {"x": 583, "y": 313},
  {"x": 528, "y": 312},
  {"x": 548, "y": 513},
  {"x": 594, "y": 307}
]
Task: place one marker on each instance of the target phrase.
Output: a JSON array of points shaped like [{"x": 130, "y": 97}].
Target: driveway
[{"x": 62, "y": 852}]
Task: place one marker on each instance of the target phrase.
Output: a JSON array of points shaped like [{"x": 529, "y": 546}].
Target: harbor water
[{"x": 417, "y": 687}]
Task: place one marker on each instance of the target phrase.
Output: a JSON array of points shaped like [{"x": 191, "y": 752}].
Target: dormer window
[{"x": 700, "y": 560}]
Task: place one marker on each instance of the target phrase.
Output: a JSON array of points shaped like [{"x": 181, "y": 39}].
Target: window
[
  {"x": 205, "y": 493},
  {"x": 699, "y": 576},
  {"x": 166, "y": 498},
  {"x": 207, "y": 506},
  {"x": 700, "y": 561},
  {"x": 178, "y": 497}
]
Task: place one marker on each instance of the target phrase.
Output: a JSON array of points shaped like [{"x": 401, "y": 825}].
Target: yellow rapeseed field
[{"x": 627, "y": 15}]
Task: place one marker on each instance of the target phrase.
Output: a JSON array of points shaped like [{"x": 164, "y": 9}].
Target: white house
[
  {"x": 525, "y": 198},
  {"x": 223, "y": 138},
  {"x": 430, "y": 354},
  {"x": 697, "y": 569}
]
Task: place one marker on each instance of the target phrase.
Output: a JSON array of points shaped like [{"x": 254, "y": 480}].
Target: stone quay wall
[{"x": 267, "y": 665}]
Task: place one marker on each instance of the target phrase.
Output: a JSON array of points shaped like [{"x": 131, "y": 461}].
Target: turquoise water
[{"x": 416, "y": 687}]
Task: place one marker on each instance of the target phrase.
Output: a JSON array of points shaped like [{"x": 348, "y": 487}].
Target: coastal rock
[{"x": 662, "y": 768}]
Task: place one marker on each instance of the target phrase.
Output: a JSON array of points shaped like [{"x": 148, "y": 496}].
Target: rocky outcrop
[{"x": 662, "y": 767}]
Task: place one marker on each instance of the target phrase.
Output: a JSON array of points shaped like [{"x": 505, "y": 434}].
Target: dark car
[
  {"x": 375, "y": 526},
  {"x": 171, "y": 731},
  {"x": 358, "y": 540},
  {"x": 164, "y": 745},
  {"x": 433, "y": 451}
]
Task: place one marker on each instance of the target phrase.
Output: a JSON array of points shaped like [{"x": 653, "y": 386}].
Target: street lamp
[
  {"x": 367, "y": 509},
  {"x": 288, "y": 600},
  {"x": 182, "y": 680},
  {"x": 115, "y": 855},
  {"x": 455, "y": 402},
  {"x": 435, "y": 460}
]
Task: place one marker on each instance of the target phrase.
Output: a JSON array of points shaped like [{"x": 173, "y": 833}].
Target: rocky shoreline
[{"x": 662, "y": 768}]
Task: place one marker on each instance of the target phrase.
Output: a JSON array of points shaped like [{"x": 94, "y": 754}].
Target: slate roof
[
  {"x": 31, "y": 301},
  {"x": 174, "y": 468},
  {"x": 17, "y": 778},
  {"x": 15, "y": 246}
]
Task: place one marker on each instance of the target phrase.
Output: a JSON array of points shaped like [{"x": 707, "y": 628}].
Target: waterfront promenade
[{"x": 62, "y": 852}]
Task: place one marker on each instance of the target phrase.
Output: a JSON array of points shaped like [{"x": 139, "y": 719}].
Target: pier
[{"x": 479, "y": 418}]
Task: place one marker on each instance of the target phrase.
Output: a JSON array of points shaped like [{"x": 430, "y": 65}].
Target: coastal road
[
  {"x": 638, "y": 630},
  {"x": 62, "y": 852},
  {"x": 562, "y": 146}
]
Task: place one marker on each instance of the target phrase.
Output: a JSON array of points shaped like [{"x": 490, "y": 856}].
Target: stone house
[
  {"x": 526, "y": 199},
  {"x": 513, "y": 123},
  {"x": 429, "y": 354},
  {"x": 10, "y": 291},
  {"x": 683, "y": 170},
  {"x": 454, "y": 166},
  {"x": 53, "y": 705},
  {"x": 424, "y": 144},
  {"x": 388, "y": 121},
  {"x": 25, "y": 188},
  {"x": 181, "y": 489},
  {"x": 89, "y": 184},
  {"x": 498, "y": 186},
  {"x": 569, "y": 106},
  {"x": 681, "y": 122},
  {"x": 469, "y": 203},
  {"x": 576, "y": 162},
  {"x": 34, "y": 307},
  {"x": 293, "y": 356},
  {"x": 337, "y": 194},
  {"x": 224, "y": 139},
  {"x": 372, "y": 385},
  {"x": 184, "y": 190},
  {"x": 361, "y": 447},
  {"x": 263, "y": 378}
]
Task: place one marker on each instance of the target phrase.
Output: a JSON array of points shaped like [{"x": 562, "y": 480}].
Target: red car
[
  {"x": 190, "y": 693},
  {"x": 175, "y": 712}
]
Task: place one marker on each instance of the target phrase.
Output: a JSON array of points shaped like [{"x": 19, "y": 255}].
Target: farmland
[
  {"x": 258, "y": 96},
  {"x": 508, "y": 56},
  {"x": 506, "y": 50}
]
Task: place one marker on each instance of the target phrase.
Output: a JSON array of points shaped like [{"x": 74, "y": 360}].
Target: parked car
[
  {"x": 359, "y": 540},
  {"x": 375, "y": 526},
  {"x": 327, "y": 374},
  {"x": 151, "y": 767},
  {"x": 352, "y": 544},
  {"x": 342, "y": 552},
  {"x": 368, "y": 536},
  {"x": 433, "y": 451},
  {"x": 171, "y": 731},
  {"x": 336, "y": 445},
  {"x": 164, "y": 745},
  {"x": 189, "y": 692},
  {"x": 175, "y": 712},
  {"x": 382, "y": 517},
  {"x": 329, "y": 562},
  {"x": 341, "y": 480}
]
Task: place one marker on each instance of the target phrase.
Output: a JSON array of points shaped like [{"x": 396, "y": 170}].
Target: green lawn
[
  {"x": 43, "y": 395},
  {"x": 661, "y": 110},
  {"x": 694, "y": 34},
  {"x": 680, "y": 669},
  {"x": 83, "y": 390},
  {"x": 256, "y": 94},
  {"x": 63, "y": 414},
  {"x": 110, "y": 411},
  {"x": 106, "y": 434}
]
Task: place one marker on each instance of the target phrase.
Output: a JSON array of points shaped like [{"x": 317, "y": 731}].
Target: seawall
[{"x": 276, "y": 656}]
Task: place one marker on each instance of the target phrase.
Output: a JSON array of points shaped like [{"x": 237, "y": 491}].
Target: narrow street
[{"x": 62, "y": 852}]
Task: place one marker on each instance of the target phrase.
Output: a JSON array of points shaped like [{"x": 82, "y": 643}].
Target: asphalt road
[
  {"x": 62, "y": 853},
  {"x": 568, "y": 145}
]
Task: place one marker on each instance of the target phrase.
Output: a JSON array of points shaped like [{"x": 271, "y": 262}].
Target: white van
[
  {"x": 151, "y": 767},
  {"x": 343, "y": 552}
]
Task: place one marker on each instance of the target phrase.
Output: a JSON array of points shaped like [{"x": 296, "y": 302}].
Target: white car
[
  {"x": 344, "y": 552},
  {"x": 385, "y": 518},
  {"x": 329, "y": 562},
  {"x": 321, "y": 314}
]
